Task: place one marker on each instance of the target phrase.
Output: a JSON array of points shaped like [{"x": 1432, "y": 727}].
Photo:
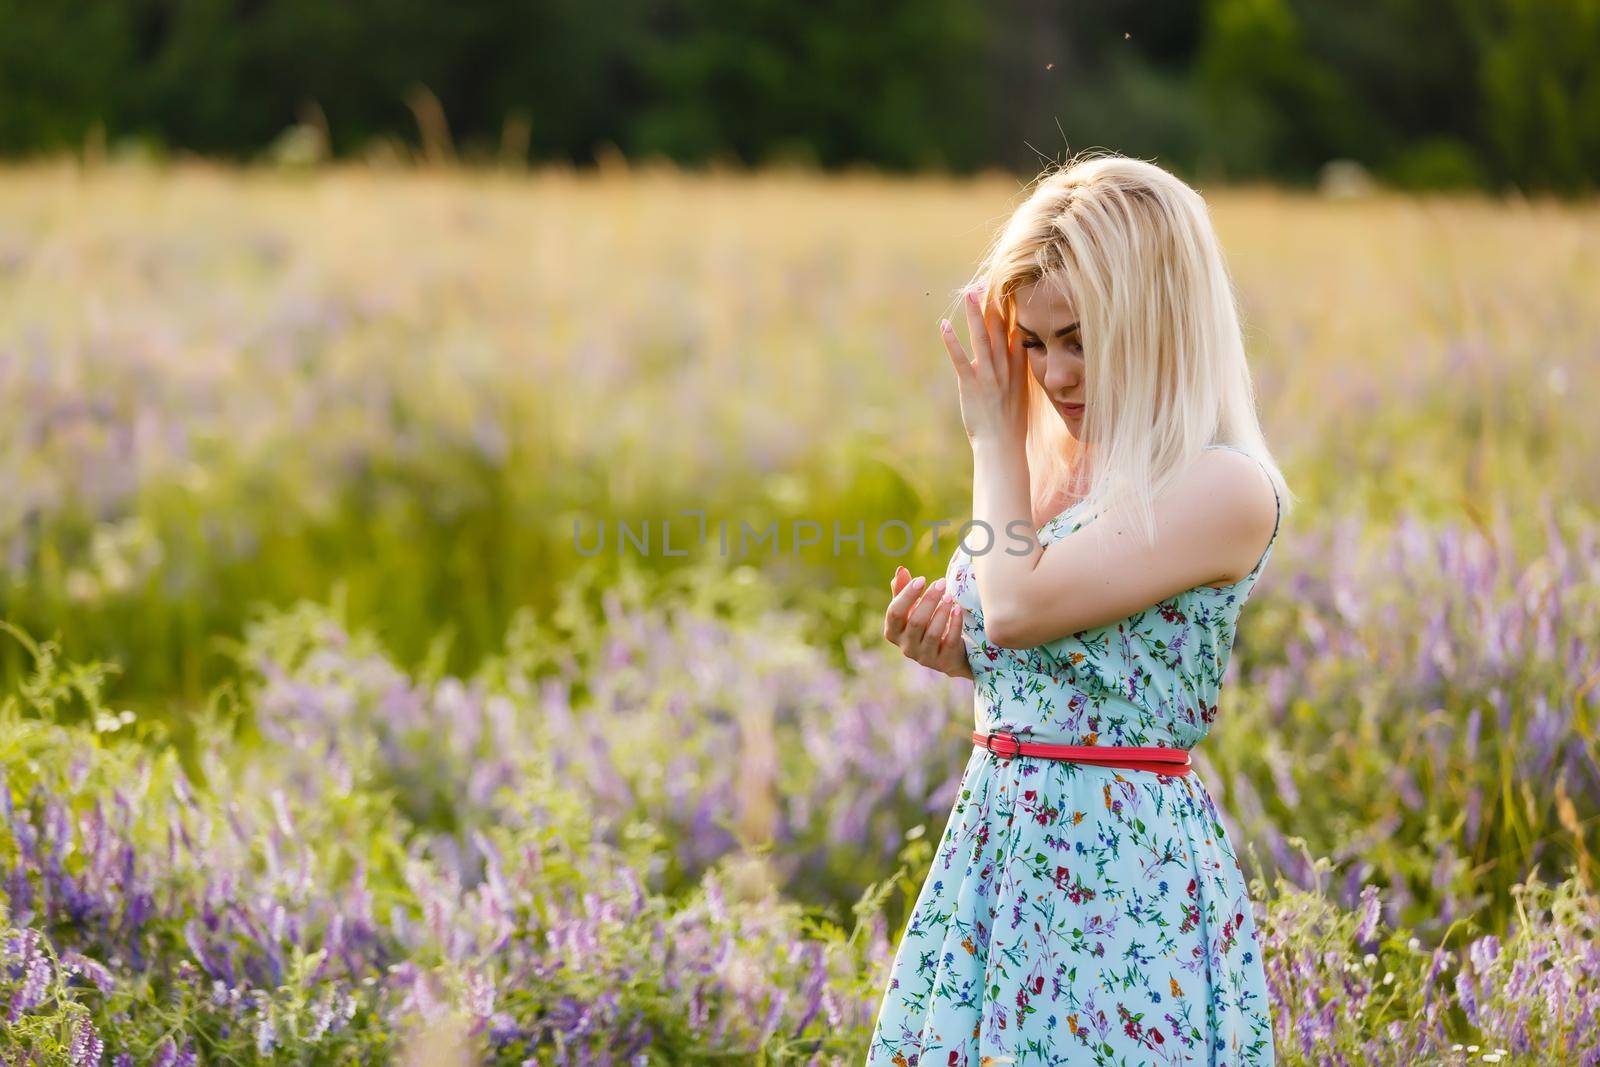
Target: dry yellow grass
[
  {"x": 645, "y": 340},
  {"x": 694, "y": 323}
]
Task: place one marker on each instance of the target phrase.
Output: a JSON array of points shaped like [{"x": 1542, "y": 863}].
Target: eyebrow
[{"x": 1059, "y": 333}]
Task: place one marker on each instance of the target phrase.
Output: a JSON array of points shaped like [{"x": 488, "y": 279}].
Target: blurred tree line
[{"x": 1424, "y": 93}]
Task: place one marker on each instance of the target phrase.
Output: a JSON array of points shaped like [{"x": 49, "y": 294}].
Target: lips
[{"x": 1071, "y": 409}]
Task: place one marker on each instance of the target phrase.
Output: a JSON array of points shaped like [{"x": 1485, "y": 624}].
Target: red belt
[{"x": 1157, "y": 758}]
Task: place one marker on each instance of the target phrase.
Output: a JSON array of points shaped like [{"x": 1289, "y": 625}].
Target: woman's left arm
[{"x": 1205, "y": 524}]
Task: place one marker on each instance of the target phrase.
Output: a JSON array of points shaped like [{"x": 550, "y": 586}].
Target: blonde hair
[{"x": 1165, "y": 362}]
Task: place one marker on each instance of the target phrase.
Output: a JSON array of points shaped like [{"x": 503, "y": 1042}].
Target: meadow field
[{"x": 324, "y": 741}]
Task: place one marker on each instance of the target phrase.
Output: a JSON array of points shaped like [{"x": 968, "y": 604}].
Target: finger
[
  {"x": 978, "y": 334},
  {"x": 1015, "y": 341},
  {"x": 1016, "y": 357},
  {"x": 1004, "y": 368},
  {"x": 995, "y": 316},
  {"x": 900, "y": 578},
  {"x": 952, "y": 630},
  {"x": 906, "y": 598},
  {"x": 894, "y": 617},
  {"x": 952, "y": 345},
  {"x": 917, "y": 620},
  {"x": 932, "y": 640},
  {"x": 943, "y": 619}
]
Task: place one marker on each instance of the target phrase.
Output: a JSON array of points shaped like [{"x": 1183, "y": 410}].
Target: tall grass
[
  {"x": 394, "y": 860},
  {"x": 297, "y": 473},
  {"x": 225, "y": 388}
]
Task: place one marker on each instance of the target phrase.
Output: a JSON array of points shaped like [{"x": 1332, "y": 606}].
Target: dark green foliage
[{"x": 1426, "y": 93}]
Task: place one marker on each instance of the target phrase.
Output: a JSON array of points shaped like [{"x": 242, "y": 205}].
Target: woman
[{"x": 1085, "y": 905}]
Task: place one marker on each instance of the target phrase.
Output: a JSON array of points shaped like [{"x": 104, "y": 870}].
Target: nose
[{"x": 1062, "y": 374}]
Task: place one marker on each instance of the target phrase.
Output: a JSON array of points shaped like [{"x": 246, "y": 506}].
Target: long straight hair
[{"x": 1133, "y": 247}]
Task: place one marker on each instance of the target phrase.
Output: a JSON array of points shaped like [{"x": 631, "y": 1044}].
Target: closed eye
[{"x": 1028, "y": 342}]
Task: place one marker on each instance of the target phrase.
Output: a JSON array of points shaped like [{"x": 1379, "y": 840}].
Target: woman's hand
[
  {"x": 993, "y": 383},
  {"x": 926, "y": 625}
]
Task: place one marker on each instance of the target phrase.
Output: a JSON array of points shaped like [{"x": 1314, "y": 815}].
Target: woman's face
[{"x": 1048, "y": 325}]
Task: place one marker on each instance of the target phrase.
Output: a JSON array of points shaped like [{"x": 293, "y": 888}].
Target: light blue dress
[{"x": 1077, "y": 914}]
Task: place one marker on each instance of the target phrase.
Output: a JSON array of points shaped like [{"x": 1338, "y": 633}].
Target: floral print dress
[{"x": 1077, "y": 914}]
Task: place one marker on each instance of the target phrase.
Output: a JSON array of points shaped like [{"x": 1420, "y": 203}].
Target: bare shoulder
[{"x": 1232, "y": 501}]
